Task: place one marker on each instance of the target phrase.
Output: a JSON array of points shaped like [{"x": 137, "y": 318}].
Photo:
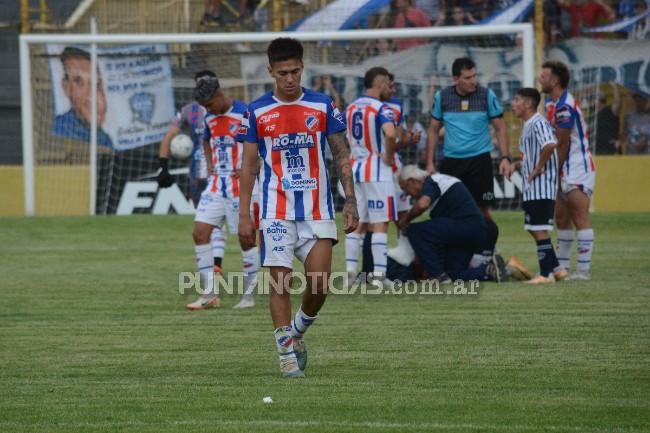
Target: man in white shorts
[
  {"x": 289, "y": 128},
  {"x": 371, "y": 134},
  {"x": 577, "y": 169},
  {"x": 219, "y": 202}
]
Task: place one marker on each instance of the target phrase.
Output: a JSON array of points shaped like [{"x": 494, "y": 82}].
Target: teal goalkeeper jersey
[{"x": 466, "y": 120}]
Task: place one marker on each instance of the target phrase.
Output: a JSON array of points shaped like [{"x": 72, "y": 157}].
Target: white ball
[
  {"x": 267, "y": 400},
  {"x": 181, "y": 146}
]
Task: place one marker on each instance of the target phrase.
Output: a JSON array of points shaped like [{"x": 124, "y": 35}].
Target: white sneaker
[
  {"x": 353, "y": 276},
  {"x": 205, "y": 301},
  {"x": 289, "y": 368},
  {"x": 403, "y": 253},
  {"x": 245, "y": 302},
  {"x": 579, "y": 276},
  {"x": 383, "y": 283},
  {"x": 301, "y": 2}
]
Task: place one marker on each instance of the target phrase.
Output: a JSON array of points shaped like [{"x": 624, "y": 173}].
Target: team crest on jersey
[
  {"x": 276, "y": 231},
  {"x": 388, "y": 113},
  {"x": 300, "y": 140},
  {"x": 233, "y": 128},
  {"x": 142, "y": 105},
  {"x": 312, "y": 123}
]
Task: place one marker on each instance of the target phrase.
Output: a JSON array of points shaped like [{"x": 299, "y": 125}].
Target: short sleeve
[
  {"x": 248, "y": 129},
  {"x": 436, "y": 108},
  {"x": 494, "y": 106},
  {"x": 430, "y": 189}
]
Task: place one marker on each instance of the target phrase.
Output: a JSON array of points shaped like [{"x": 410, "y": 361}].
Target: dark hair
[
  {"x": 460, "y": 64},
  {"x": 74, "y": 53},
  {"x": 282, "y": 49},
  {"x": 532, "y": 94},
  {"x": 204, "y": 73},
  {"x": 391, "y": 76},
  {"x": 372, "y": 73},
  {"x": 205, "y": 89},
  {"x": 560, "y": 70}
]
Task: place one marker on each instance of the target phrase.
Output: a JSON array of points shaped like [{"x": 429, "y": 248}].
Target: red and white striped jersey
[
  {"x": 221, "y": 131},
  {"x": 566, "y": 113},
  {"x": 400, "y": 122},
  {"x": 291, "y": 140},
  {"x": 365, "y": 117}
]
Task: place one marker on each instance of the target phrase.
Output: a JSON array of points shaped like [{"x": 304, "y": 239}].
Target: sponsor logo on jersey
[
  {"x": 223, "y": 141},
  {"x": 300, "y": 140},
  {"x": 268, "y": 117},
  {"x": 276, "y": 231},
  {"x": 295, "y": 163},
  {"x": 298, "y": 184},
  {"x": 563, "y": 115},
  {"x": 312, "y": 123}
]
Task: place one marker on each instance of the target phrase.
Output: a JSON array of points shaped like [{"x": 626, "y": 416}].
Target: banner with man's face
[{"x": 135, "y": 98}]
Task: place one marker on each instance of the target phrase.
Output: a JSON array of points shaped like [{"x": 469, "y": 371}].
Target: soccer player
[
  {"x": 371, "y": 133},
  {"x": 191, "y": 119},
  {"x": 219, "y": 202},
  {"x": 577, "y": 169},
  {"x": 539, "y": 171},
  {"x": 288, "y": 128}
]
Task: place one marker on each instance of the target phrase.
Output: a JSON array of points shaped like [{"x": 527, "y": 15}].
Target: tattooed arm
[{"x": 339, "y": 146}]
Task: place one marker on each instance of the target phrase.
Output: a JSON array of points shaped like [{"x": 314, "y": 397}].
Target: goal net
[{"x": 139, "y": 82}]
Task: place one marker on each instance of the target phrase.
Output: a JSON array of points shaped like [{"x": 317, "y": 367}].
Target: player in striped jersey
[
  {"x": 539, "y": 171},
  {"x": 577, "y": 169},
  {"x": 219, "y": 202},
  {"x": 191, "y": 119},
  {"x": 289, "y": 128},
  {"x": 371, "y": 134}
]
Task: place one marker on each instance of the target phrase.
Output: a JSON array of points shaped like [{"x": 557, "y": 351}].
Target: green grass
[{"x": 94, "y": 336}]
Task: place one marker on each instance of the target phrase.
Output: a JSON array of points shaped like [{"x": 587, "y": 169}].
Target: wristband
[
  {"x": 508, "y": 157},
  {"x": 163, "y": 163}
]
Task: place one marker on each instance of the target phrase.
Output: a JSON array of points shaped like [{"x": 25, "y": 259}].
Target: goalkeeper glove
[{"x": 165, "y": 180}]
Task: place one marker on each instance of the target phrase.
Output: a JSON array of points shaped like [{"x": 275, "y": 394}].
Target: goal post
[{"x": 145, "y": 78}]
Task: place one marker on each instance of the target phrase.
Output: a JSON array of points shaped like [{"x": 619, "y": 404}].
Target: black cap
[{"x": 205, "y": 88}]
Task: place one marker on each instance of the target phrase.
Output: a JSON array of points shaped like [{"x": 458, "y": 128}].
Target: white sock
[
  {"x": 218, "y": 240},
  {"x": 205, "y": 262},
  {"x": 251, "y": 266},
  {"x": 353, "y": 243},
  {"x": 284, "y": 342},
  {"x": 585, "y": 247},
  {"x": 301, "y": 322},
  {"x": 379, "y": 247},
  {"x": 478, "y": 260},
  {"x": 564, "y": 245}
]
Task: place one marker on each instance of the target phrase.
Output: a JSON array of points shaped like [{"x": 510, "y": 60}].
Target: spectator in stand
[
  {"x": 324, "y": 84},
  {"x": 409, "y": 16},
  {"x": 460, "y": 17},
  {"x": 435, "y": 10},
  {"x": 552, "y": 21},
  {"x": 212, "y": 11},
  {"x": 641, "y": 29},
  {"x": 608, "y": 123},
  {"x": 587, "y": 13},
  {"x": 636, "y": 127}
]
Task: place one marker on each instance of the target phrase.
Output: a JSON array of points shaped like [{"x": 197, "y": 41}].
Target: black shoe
[{"x": 496, "y": 270}]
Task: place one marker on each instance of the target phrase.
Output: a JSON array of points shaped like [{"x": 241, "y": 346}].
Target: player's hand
[
  {"x": 165, "y": 180},
  {"x": 431, "y": 168},
  {"x": 403, "y": 222},
  {"x": 504, "y": 166},
  {"x": 210, "y": 170},
  {"x": 350, "y": 217},
  {"x": 246, "y": 232},
  {"x": 385, "y": 159},
  {"x": 236, "y": 174}
]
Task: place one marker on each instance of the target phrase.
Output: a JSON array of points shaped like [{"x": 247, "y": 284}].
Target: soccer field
[{"x": 94, "y": 336}]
